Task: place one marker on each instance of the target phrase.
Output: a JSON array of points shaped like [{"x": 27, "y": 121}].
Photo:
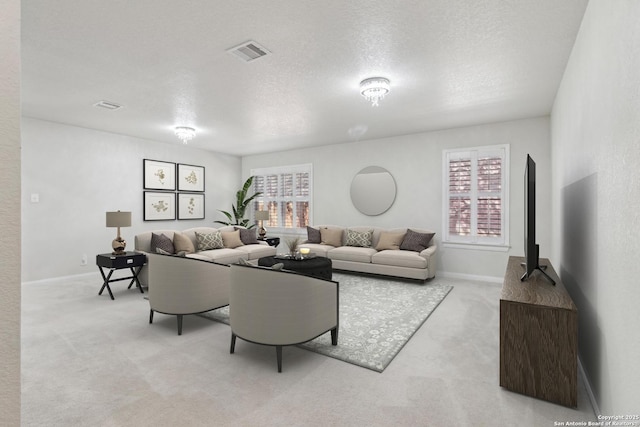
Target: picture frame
[
  {"x": 190, "y": 178},
  {"x": 190, "y": 206},
  {"x": 159, "y": 206},
  {"x": 159, "y": 175}
]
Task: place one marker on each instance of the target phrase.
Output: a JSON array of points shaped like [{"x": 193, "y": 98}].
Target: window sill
[{"x": 476, "y": 246}]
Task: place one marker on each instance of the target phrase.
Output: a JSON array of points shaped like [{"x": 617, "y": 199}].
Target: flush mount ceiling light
[
  {"x": 185, "y": 134},
  {"x": 374, "y": 89}
]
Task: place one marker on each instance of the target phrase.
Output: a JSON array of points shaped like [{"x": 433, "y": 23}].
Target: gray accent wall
[
  {"x": 596, "y": 198},
  {"x": 10, "y": 213},
  {"x": 78, "y": 174},
  {"x": 415, "y": 161}
]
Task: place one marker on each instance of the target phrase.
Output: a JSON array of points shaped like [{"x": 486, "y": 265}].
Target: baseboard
[
  {"x": 587, "y": 385},
  {"x": 73, "y": 276},
  {"x": 473, "y": 277}
]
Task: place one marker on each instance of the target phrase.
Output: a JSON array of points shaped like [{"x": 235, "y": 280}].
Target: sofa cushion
[
  {"x": 231, "y": 239},
  {"x": 257, "y": 251},
  {"x": 313, "y": 235},
  {"x": 248, "y": 235},
  {"x": 352, "y": 253},
  {"x": 397, "y": 258},
  {"x": 389, "y": 241},
  {"x": 160, "y": 242},
  {"x": 414, "y": 241},
  {"x": 331, "y": 236},
  {"x": 224, "y": 255},
  {"x": 359, "y": 238},
  {"x": 208, "y": 241},
  {"x": 182, "y": 243}
]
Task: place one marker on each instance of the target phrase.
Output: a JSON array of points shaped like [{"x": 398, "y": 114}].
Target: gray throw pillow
[
  {"x": 313, "y": 235},
  {"x": 160, "y": 242},
  {"x": 278, "y": 266},
  {"x": 247, "y": 235},
  {"x": 414, "y": 241}
]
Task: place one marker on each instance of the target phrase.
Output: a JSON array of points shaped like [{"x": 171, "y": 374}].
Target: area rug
[{"x": 378, "y": 316}]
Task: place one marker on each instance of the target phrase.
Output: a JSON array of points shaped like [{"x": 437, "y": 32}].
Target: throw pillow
[
  {"x": 359, "y": 238},
  {"x": 391, "y": 241},
  {"x": 278, "y": 266},
  {"x": 209, "y": 241},
  {"x": 247, "y": 235},
  {"x": 243, "y": 261},
  {"x": 414, "y": 241},
  {"x": 162, "y": 242},
  {"x": 231, "y": 239},
  {"x": 162, "y": 252},
  {"x": 331, "y": 236},
  {"x": 182, "y": 243},
  {"x": 313, "y": 235}
]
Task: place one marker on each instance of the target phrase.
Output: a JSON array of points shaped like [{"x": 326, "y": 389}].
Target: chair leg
[
  {"x": 179, "y": 324},
  {"x": 279, "y": 357},
  {"x": 151, "y": 316},
  {"x": 233, "y": 343},
  {"x": 334, "y": 336}
]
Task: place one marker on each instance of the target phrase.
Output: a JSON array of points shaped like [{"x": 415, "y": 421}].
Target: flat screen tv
[{"x": 531, "y": 248}]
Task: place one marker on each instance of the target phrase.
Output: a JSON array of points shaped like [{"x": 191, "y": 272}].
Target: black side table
[
  {"x": 271, "y": 241},
  {"x": 132, "y": 260}
]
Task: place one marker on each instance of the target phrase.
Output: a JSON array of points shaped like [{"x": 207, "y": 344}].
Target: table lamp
[
  {"x": 118, "y": 219},
  {"x": 261, "y": 216}
]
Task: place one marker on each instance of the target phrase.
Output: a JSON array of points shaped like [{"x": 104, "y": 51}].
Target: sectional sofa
[
  {"x": 224, "y": 245},
  {"x": 400, "y": 252}
]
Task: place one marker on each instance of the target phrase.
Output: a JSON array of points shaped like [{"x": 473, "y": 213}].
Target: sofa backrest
[{"x": 376, "y": 231}]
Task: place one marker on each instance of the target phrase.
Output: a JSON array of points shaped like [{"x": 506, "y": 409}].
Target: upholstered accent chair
[
  {"x": 186, "y": 286},
  {"x": 280, "y": 308}
]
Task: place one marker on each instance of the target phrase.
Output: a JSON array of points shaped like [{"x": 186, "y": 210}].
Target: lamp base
[
  {"x": 262, "y": 232},
  {"x": 118, "y": 246}
]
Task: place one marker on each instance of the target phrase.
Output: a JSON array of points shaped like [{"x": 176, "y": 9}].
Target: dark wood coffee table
[{"x": 319, "y": 267}]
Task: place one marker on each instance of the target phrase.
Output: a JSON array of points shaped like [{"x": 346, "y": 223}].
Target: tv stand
[
  {"x": 541, "y": 269},
  {"x": 538, "y": 337}
]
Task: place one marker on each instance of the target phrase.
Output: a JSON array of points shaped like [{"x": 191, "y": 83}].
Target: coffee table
[{"x": 319, "y": 267}]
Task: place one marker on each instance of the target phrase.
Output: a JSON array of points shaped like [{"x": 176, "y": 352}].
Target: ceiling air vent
[
  {"x": 249, "y": 51},
  {"x": 107, "y": 105}
]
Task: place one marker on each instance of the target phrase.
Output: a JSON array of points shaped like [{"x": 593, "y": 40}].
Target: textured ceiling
[{"x": 451, "y": 63}]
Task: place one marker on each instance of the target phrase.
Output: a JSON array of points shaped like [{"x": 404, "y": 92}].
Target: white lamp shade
[{"x": 118, "y": 219}]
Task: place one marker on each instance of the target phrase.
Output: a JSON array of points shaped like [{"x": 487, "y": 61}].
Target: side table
[
  {"x": 271, "y": 241},
  {"x": 132, "y": 260}
]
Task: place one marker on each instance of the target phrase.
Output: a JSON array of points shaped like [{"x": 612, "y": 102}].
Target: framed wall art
[
  {"x": 190, "y": 206},
  {"x": 159, "y": 206},
  {"x": 159, "y": 175},
  {"x": 190, "y": 177}
]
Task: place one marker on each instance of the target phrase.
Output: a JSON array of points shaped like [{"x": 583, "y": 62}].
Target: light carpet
[{"x": 378, "y": 316}]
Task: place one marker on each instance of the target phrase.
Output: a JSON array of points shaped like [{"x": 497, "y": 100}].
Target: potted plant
[{"x": 239, "y": 209}]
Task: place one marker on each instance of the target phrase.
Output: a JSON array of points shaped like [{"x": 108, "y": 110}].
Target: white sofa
[
  {"x": 224, "y": 255},
  {"x": 389, "y": 262}
]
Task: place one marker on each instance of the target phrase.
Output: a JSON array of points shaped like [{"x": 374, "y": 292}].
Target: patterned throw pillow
[
  {"x": 359, "y": 238},
  {"x": 247, "y": 235},
  {"x": 160, "y": 242},
  {"x": 231, "y": 239},
  {"x": 209, "y": 241},
  {"x": 313, "y": 235},
  {"x": 182, "y": 243},
  {"x": 414, "y": 241}
]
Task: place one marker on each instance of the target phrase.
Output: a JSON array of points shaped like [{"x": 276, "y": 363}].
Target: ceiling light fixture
[
  {"x": 185, "y": 134},
  {"x": 374, "y": 89}
]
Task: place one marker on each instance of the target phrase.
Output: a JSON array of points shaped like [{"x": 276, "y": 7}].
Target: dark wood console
[{"x": 538, "y": 336}]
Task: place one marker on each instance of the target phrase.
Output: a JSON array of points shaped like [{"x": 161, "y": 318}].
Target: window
[
  {"x": 476, "y": 193},
  {"x": 286, "y": 194}
]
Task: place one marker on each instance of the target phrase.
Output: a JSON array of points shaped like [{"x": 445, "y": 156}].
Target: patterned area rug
[{"x": 378, "y": 316}]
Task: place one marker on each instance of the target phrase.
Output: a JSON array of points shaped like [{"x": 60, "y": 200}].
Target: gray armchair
[
  {"x": 280, "y": 308},
  {"x": 186, "y": 286}
]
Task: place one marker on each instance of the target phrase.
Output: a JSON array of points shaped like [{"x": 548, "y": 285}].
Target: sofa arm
[{"x": 429, "y": 255}]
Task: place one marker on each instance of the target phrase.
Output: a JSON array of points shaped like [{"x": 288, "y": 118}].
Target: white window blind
[
  {"x": 286, "y": 194},
  {"x": 476, "y": 195}
]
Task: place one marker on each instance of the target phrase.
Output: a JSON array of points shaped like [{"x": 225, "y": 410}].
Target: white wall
[
  {"x": 415, "y": 161},
  {"x": 596, "y": 197},
  {"x": 10, "y": 213},
  {"x": 79, "y": 174}
]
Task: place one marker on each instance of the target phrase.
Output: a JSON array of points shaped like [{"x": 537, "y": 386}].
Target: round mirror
[{"x": 373, "y": 190}]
